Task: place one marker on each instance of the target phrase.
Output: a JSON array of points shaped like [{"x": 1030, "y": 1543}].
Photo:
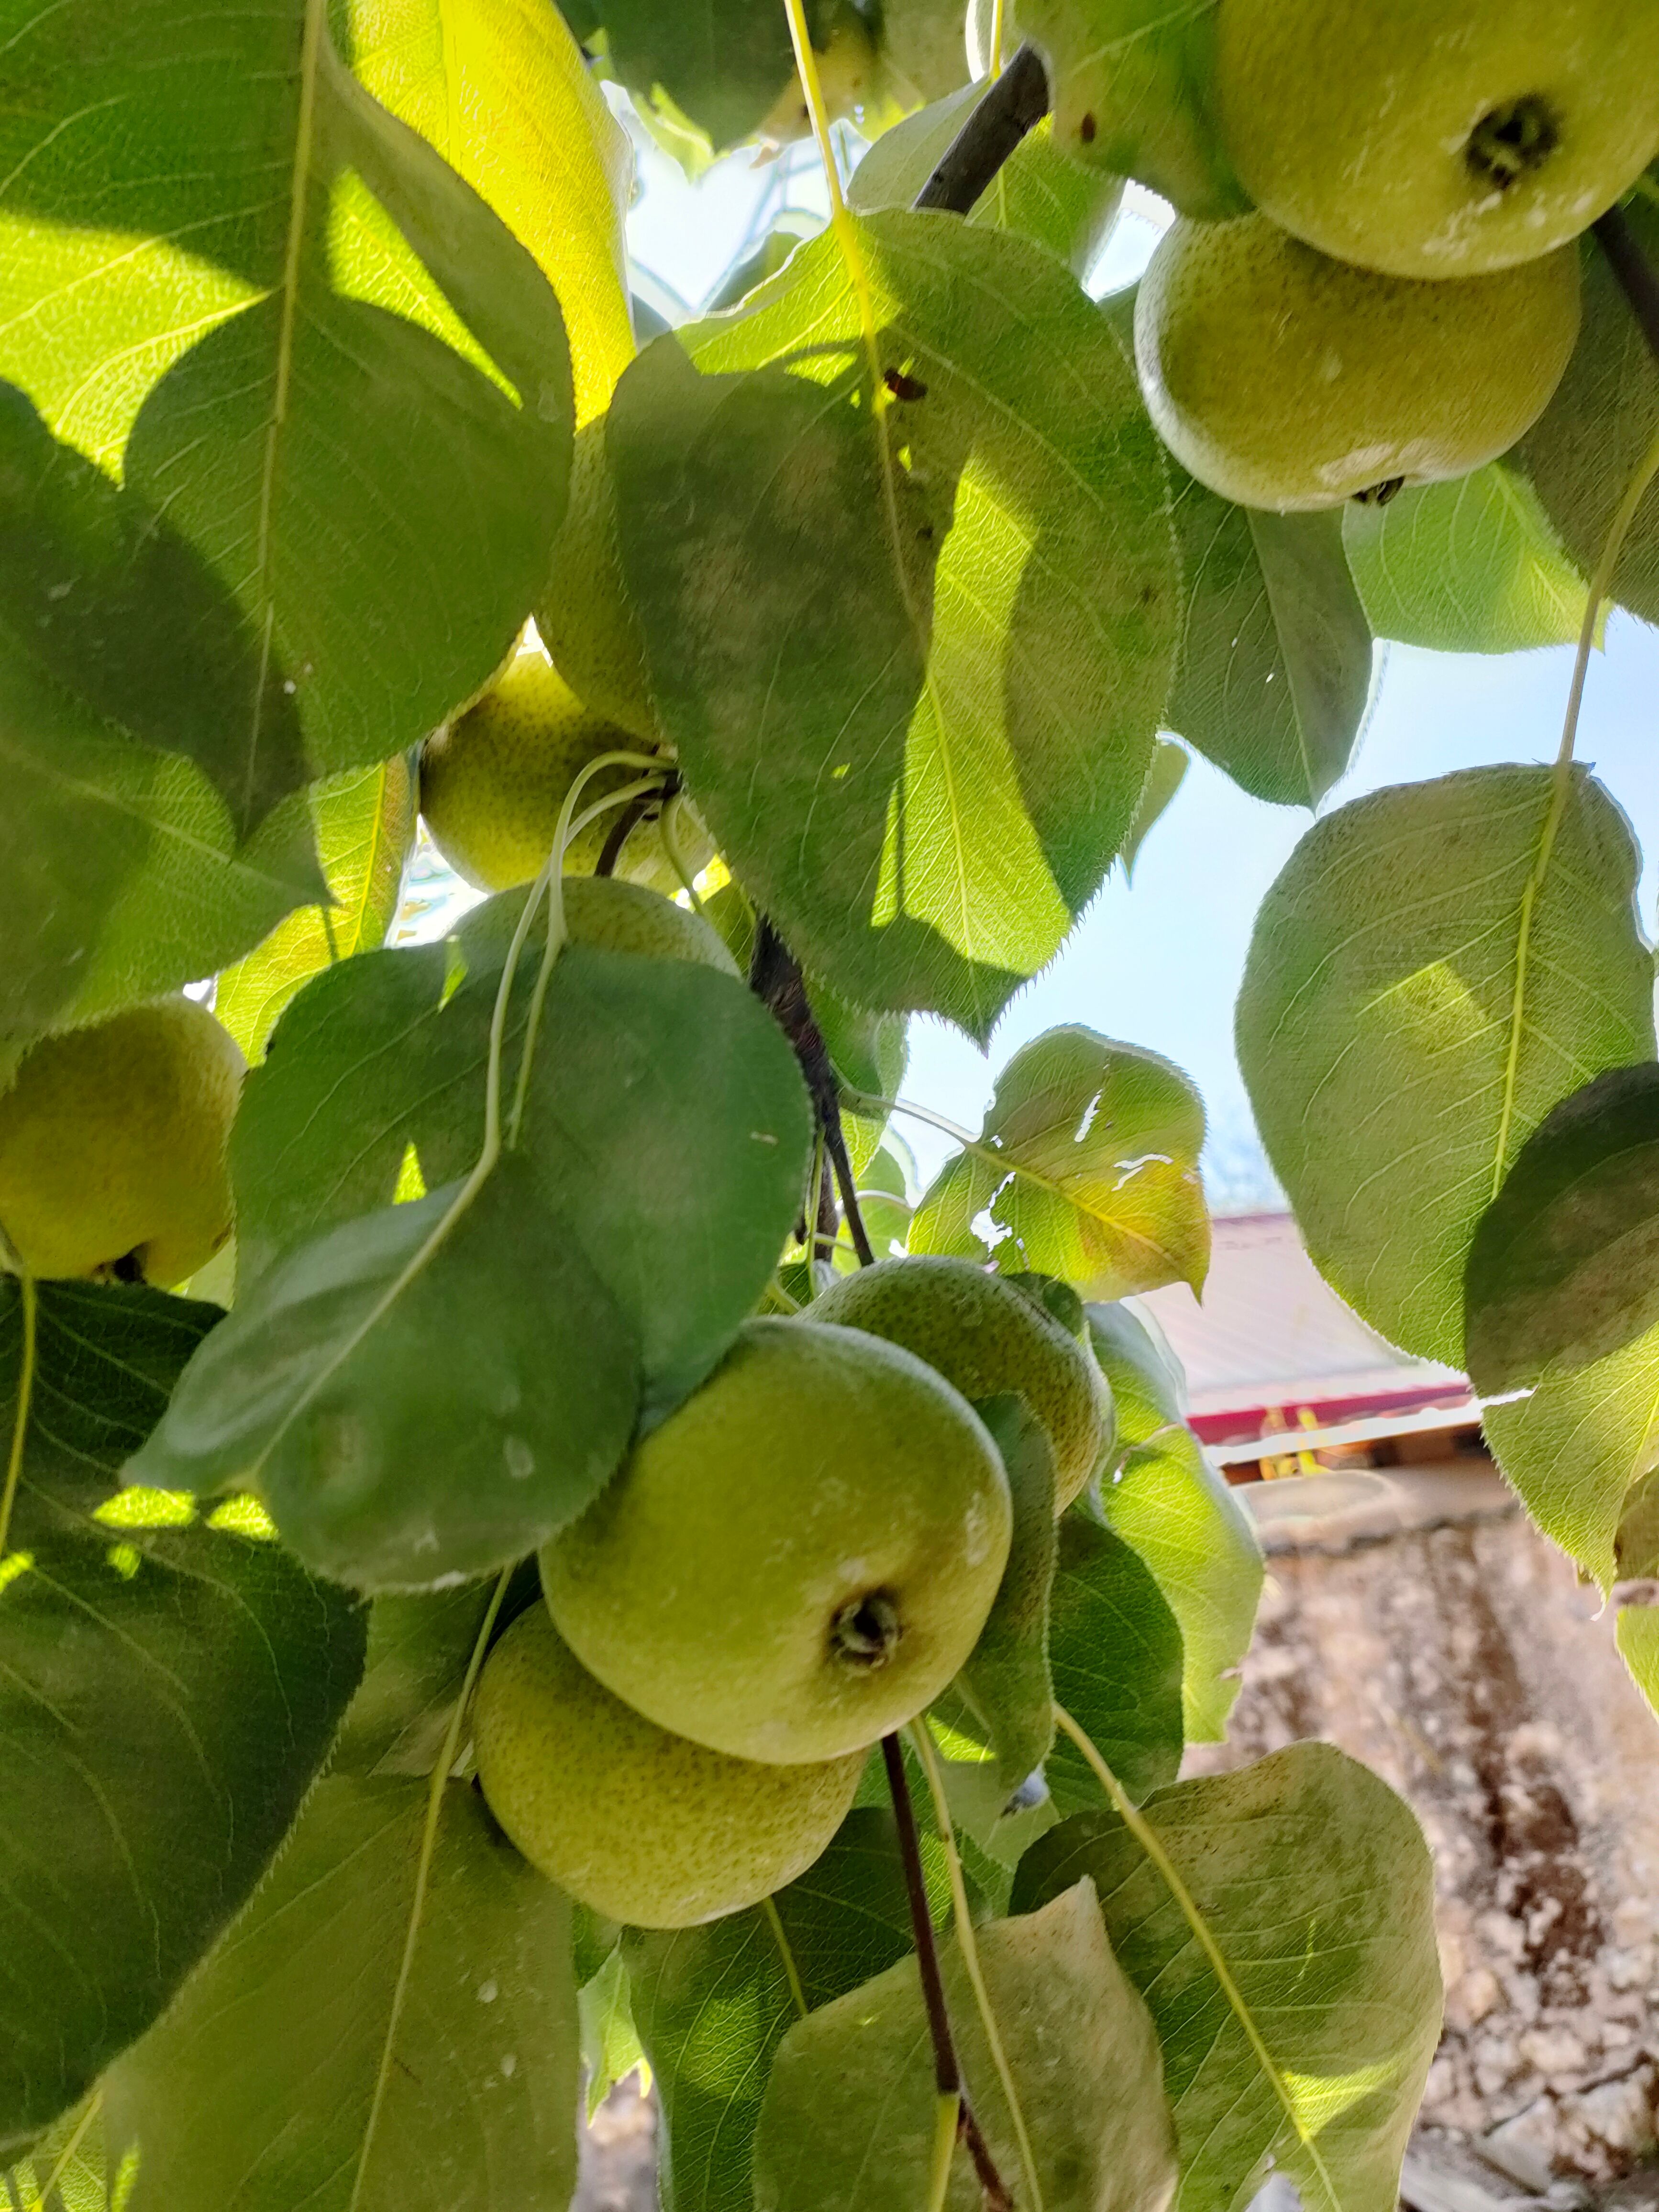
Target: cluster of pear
[
  {"x": 1401, "y": 304},
  {"x": 796, "y": 1562},
  {"x": 113, "y": 1147}
]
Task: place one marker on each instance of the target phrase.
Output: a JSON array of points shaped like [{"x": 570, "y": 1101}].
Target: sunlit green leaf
[
  {"x": 501, "y": 90},
  {"x": 713, "y": 2003},
  {"x": 1163, "y": 779},
  {"x": 611, "y": 2049},
  {"x": 391, "y": 1390},
  {"x": 1039, "y": 192},
  {"x": 849, "y": 2118},
  {"x": 1638, "y": 1632},
  {"x": 277, "y": 315},
  {"x": 945, "y": 626},
  {"x": 1585, "y": 447},
  {"x": 1149, "y": 1384},
  {"x": 1393, "y": 1067},
  {"x": 1298, "y": 2006},
  {"x": 1131, "y": 93},
  {"x": 365, "y": 826},
  {"x": 1470, "y": 566},
  {"x": 1087, "y": 1164},
  {"x": 167, "y": 1690},
  {"x": 223, "y": 2103}
]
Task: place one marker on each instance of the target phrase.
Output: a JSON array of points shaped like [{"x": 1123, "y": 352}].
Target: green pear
[
  {"x": 494, "y": 780},
  {"x": 639, "y": 1824},
  {"x": 800, "y": 1558},
  {"x": 610, "y": 915},
  {"x": 1436, "y": 141},
  {"x": 112, "y": 1146},
  {"x": 985, "y": 1335},
  {"x": 1285, "y": 380}
]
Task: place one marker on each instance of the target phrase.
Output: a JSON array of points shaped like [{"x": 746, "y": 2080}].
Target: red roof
[{"x": 1273, "y": 1338}]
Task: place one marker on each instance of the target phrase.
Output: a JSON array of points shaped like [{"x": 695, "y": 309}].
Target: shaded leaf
[
  {"x": 1379, "y": 1008},
  {"x": 1470, "y": 566},
  {"x": 1039, "y": 192},
  {"x": 503, "y": 92},
  {"x": 1591, "y": 439},
  {"x": 1163, "y": 779},
  {"x": 713, "y": 2003},
  {"x": 416, "y": 1661},
  {"x": 1313, "y": 1888},
  {"x": 220, "y": 2102},
  {"x": 389, "y": 1390},
  {"x": 1006, "y": 1681},
  {"x": 167, "y": 1690},
  {"x": 365, "y": 826},
  {"x": 1561, "y": 1271},
  {"x": 849, "y": 2120},
  {"x": 914, "y": 685},
  {"x": 667, "y": 1123},
  {"x": 1637, "y": 1630},
  {"x": 1088, "y": 1163},
  {"x": 585, "y": 616},
  {"x": 1115, "y": 1648},
  {"x": 320, "y": 383},
  {"x": 1131, "y": 95},
  {"x": 722, "y": 63}
]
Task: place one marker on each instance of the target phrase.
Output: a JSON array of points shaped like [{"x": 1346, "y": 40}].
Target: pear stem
[
  {"x": 1625, "y": 257},
  {"x": 775, "y": 979},
  {"x": 630, "y": 820},
  {"x": 947, "y": 2074}
]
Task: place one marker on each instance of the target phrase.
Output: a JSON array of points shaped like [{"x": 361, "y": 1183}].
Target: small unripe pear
[
  {"x": 986, "y": 1335},
  {"x": 800, "y": 1558},
  {"x": 112, "y": 1146},
  {"x": 639, "y": 1825},
  {"x": 1285, "y": 380}
]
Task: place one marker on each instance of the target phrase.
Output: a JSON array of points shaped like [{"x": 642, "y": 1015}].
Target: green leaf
[
  {"x": 1576, "y": 1446},
  {"x": 721, "y": 62},
  {"x": 1470, "y": 566},
  {"x": 585, "y": 617},
  {"x": 611, "y": 2049},
  {"x": 388, "y": 1388},
  {"x": 1275, "y": 652},
  {"x": 365, "y": 826},
  {"x": 1006, "y": 1681},
  {"x": 168, "y": 1690},
  {"x": 955, "y": 743},
  {"x": 1393, "y": 1065},
  {"x": 504, "y": 94},
  {"x": 304, "y": 339},
  {"x": 1561, "y": 1271},
  {"x": 418, "y": 1650},
  {"x": 1088, "y": 1162},
  {"x": 713, "y": 2003},
  {"x": 1149, "y": 1384},
  {"x": 1039, "y": 192},
  {"x": 849, "y": 2117},
  {"x": 221, "y": 2103},
  {"x": 1200, "y": 1544},
  {"x": 666, "y": 1121},
  {"x": 1591, "y": 439},
  {"x": 1294, "y": 1978},
  {"x": 1637, "y": 1631},
  {"x": 1131, "y": 81},
  {"x": 1163, "y": 779},
  {"x": 1115, "y": 1648}
]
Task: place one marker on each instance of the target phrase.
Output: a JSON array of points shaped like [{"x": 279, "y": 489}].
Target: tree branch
[
  {"x": 1625, "y": 257},
  {"x": 1015, "y": 104},
  {"x": 947, "y": 2074},
  {"x": 775, "y": 977}
]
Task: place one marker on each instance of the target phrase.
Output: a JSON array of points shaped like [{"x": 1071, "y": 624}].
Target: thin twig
[
  {"x": 1016, "y": 103},
  {"x": 1625, "y": 257},
  {"x": 775, "y": 979},
  {"x": 630, "y": 820},
  {"x": 947, "y": 2074}
]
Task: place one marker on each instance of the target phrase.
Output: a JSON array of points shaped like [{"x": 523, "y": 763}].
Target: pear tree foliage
[{"x": 882, "y": 608}]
